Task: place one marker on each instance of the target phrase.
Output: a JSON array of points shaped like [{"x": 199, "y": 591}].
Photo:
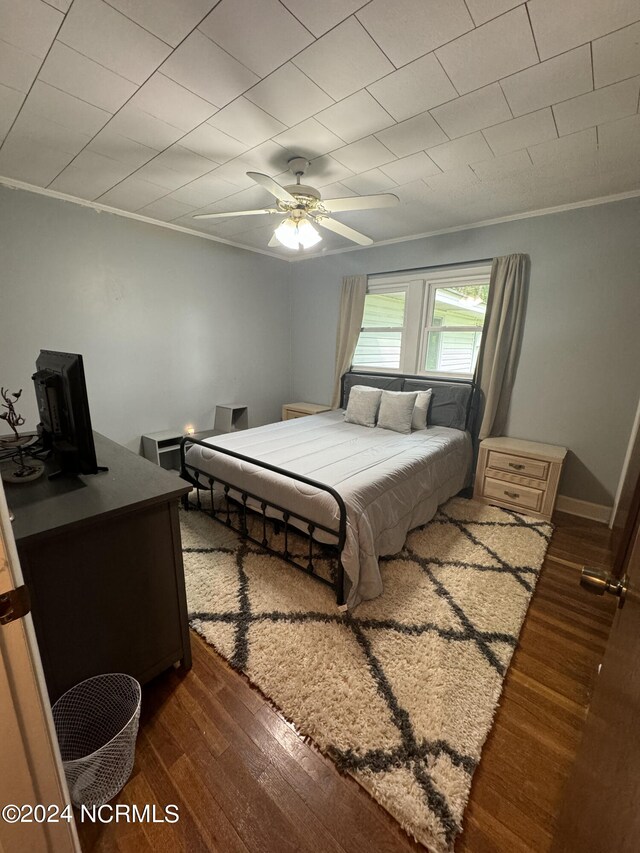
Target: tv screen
[{"x": 65, "y": 423}]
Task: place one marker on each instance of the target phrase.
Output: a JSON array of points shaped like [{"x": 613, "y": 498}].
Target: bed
[{"x": 355, "y": 489}]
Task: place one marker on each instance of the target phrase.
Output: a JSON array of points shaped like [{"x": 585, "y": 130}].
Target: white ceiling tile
[
  {"x": 549, "y": 82},
  {"x": 576, "y": 146},
  {"x": 121, "y": 148},
  {"x": 70, "y": 71},
  {"x": 612, "y": 102},
  {"x": 521, "y": 132},
  {"x": 35, "y": 128},
  {"x": 235, "y": 172},
  {"x": 169, "y": 20},
  {"x": 253, "y": 198},
  {"x": 373, "y": 181},
  {"x": 411, "y": 168},
  {"x": 55, "y": 105},
  {"x": 621, "y": 138},
  {"x": 156, "y": 173},
  {"x": 165, "y": 209},
  {"x": 18, "y": 68},
  {"x": 502, "y": 167},
  {"x": 416, "y": 87},
  {"x": 473, "y": 112},
  {"x": 326, "y": 170},
  {"x": 617, "y": 56},
  {"x": 413, "y": 192},
  {"x": 289, "y": 95},
  {"x": 337, "y": 190},
  {"x": 132, "y": 194},
  {"x": 453, "y": 181},
  {"x": 465, "y": 149},
  {"x": 167, "y": 100},
  {"x": 246, "y": 122},
  {"x": 187, "y": 163},
  {"x": 212, "y": 143},
  {"x": 144, "y": 128},
  {"x": 407, "y": 29},
  {"x": 414, "y": 134},
  {"x": 268, "y": 157},
  {"x": 344, "y": 60},
  {"x": 201, "y": 66},
  {"x": 484, "y": 10},
  {"x": 363, "y": 155},
  {"x": 320, "y": 17},
  {"x": 356, "y": 117},
  {"x": 29, "y": 160},
  {"x": 61, "y": 5},
  {"x": 30, "y": 25},
  {"x": 474, "y": 60},
  {"x": 308, "y": 139},
  {"x": 562, "y": 24},
  {"x": 10, "y": 103},
  {"x": 261, "y": 34},
  {"x": 103, "y": 34},
  {"x": 204, "y": 190},
  {"x": 90, "y": 175}
]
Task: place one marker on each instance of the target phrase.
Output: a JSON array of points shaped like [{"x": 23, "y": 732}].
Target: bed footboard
[{"x": 288, "y": 519}]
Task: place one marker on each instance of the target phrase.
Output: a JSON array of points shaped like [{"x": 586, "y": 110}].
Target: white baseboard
[{"x": 585, "y": 509}]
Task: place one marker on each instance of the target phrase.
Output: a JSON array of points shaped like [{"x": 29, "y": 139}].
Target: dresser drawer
[
  {"x": 518, "y": 465},
  {"x": 520, "y": 496}
]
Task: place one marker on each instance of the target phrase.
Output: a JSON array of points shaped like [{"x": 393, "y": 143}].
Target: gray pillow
[
  {"x": 419, "y": 420},
  {"x": 363, "y": 404},
  {"x": 396, "y": 410}
]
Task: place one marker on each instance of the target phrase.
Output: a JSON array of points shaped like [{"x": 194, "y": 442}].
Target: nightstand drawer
[
  {"x": 518, "y": 465},
  {"x": 291, "y": 414},
  {"x": 520, "y": 496}
]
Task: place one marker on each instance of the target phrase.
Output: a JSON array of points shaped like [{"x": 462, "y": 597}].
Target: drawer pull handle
[
  {"x": 517, "y": 465},
  {"x": 512, "y": 494}
]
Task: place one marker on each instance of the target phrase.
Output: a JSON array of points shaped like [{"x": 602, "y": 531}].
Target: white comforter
[{"x": 390, "y": 483}]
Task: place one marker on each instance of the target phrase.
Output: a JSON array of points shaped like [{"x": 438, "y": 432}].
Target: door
[
  {"x": 30, "y": 768},
  {"x": 601, "y": 809}
]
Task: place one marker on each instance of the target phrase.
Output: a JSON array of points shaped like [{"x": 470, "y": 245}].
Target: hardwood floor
[{"x": 245, "y": 781}]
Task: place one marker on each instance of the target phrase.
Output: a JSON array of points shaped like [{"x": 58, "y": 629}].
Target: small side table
[
  {"x": 301, "y": 410},
  {"x": 163, "y": 447},
  {"x": 231, "y": 416},
  {"x": 519, "y": 475}
]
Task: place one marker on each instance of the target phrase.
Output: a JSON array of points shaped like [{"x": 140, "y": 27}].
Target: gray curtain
[
  {"x": 501, "y": 341},
  {"x": 354, "y": 290}
]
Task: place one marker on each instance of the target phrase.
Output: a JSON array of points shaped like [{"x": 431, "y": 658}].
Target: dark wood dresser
[{"x": 102, "y": 559}]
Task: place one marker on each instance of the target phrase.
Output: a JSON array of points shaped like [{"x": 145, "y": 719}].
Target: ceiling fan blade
[
  {"x": 234, "y": 213},
  {"x": 343, "y": 230},
  {"x": 272, "y": 187},
  {"x": 361, "y": 202}
]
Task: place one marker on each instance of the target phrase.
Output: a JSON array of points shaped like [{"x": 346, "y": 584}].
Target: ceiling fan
[{"x": 304, "y": 208}]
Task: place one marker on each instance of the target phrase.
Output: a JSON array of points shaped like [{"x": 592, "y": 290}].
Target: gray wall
[
  {"x": 168, "y": 324},
  {"x": 579, "y": 378}
]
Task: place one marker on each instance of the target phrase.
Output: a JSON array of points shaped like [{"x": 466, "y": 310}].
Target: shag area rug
[{"x": 400, "y": 693}]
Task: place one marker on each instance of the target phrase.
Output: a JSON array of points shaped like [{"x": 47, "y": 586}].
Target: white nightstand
[
  {"x": 519, "y": 475},
  {"x": 163, "y": 448},
  {"x": 301, "y": 410}
]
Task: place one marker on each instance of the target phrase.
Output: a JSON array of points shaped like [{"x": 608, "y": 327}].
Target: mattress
[{"x": 390, "y": 482}]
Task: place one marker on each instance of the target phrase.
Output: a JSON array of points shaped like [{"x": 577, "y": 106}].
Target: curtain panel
[
  {"x": 354, "y": 290},
  {"x": 501, "y": 341}
]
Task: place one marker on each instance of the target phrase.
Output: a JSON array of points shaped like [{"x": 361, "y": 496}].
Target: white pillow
[
  {"x": 363, "y": 404},
  {"x": 421, "y": 408},
  {"x": 396, "y": 410}
]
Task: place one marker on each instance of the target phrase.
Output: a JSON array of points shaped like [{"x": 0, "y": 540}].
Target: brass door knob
[{"x": 598, "y": 581}]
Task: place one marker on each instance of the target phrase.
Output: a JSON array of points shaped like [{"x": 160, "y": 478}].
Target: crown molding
[{"x": 485, "y": 223}]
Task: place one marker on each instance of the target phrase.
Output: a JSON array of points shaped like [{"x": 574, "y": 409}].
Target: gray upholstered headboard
[{"x": 453, "y": 401}]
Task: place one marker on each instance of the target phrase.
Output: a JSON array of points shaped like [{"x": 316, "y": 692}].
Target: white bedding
[{"x": 390, "y": 482}]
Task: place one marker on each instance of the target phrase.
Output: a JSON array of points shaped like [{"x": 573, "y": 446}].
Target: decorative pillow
[
  {"x": 396, "y": 410},
  {"x": 419, "y": 420},
  {"x": 363, "y": 404}
]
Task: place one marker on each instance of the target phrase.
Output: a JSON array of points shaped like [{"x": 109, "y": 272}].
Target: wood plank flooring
[{"x": 245, "y": 782}]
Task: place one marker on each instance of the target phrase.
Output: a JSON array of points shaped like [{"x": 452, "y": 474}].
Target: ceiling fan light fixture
[{"x": 294, "y": 233}]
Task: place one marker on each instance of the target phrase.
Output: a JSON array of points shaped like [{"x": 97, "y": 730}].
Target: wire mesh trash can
[{"x": 97, "y": 723}]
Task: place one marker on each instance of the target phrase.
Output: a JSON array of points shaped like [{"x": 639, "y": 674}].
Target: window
[{"x": 429, "y": 323}]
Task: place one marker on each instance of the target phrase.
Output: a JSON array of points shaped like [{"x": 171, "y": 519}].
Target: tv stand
[{"x": 102, "y": 559}]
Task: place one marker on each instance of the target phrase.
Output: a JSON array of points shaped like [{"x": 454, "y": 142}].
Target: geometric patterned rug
[{"x": 402, "y": 691}]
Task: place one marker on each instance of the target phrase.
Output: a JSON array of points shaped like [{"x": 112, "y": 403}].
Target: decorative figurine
[{"x": 22, "y": 469}]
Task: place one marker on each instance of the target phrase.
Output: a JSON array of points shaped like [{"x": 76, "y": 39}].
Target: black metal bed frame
[{"x": 192, "y": 474}]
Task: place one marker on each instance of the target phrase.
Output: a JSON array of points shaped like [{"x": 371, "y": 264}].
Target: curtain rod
[{"x": 433, "y": 267}]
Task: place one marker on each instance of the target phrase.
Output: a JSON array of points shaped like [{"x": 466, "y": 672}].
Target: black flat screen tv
[{"x": 63, "y": 406}]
